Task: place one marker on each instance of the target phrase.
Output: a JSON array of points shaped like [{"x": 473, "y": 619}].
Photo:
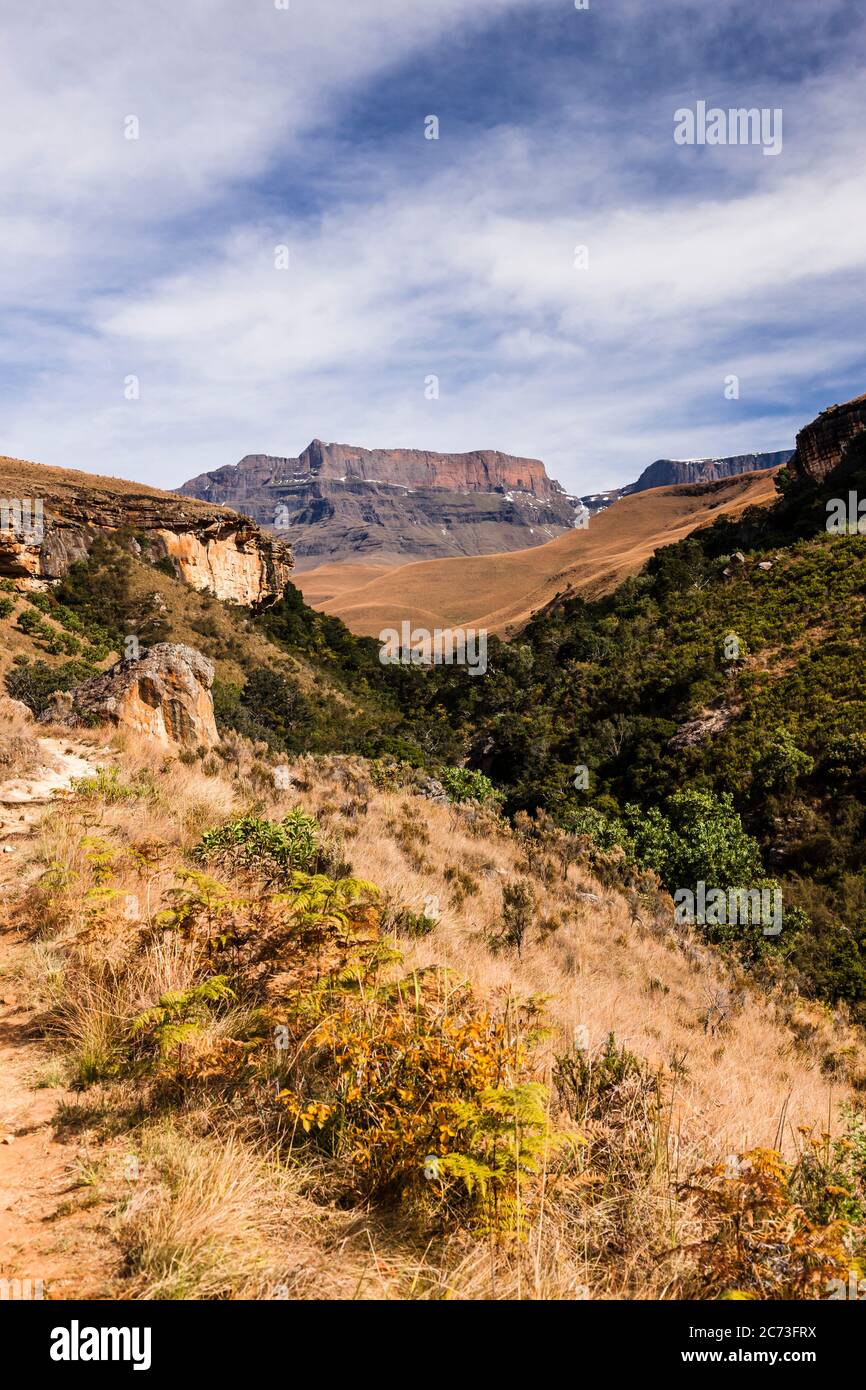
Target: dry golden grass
[
  {"x": 215, "y": 1216},
  {"x": 501, "y": 592},
  {"x": 24, "y": 478}
]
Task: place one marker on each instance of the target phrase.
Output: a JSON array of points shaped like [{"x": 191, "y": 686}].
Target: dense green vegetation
[
  {"x": 774, "y": 743},
  {"x": 348, "y": 702}
]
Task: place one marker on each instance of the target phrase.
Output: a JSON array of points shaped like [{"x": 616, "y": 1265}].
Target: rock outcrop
[
  {"x": 335, "y": 501},
  {"x": 164, "y": 696},
  {"x": 671, "y": 472},
  {"x": 821, "y": 445},
  {"x": 484, "y": 470},
  {"x": 51, "y": 517},
  {"x": 679, "y": 472}
]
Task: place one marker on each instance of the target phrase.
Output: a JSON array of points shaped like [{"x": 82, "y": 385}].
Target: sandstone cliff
[
  {"x": 164, "y": 696},
  {"x": 821, "y": 445},
  {"x": 335, "y": 501},
  {"x": 53, "y": 516}
]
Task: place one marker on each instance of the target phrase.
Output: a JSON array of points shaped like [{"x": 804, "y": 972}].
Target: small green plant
[
  {"x": 105, "y": 785},
  {"x": 519, "y": 905},
  {"x": 465, "y": 784},
  {"x": 276, "y": 849},
  {"x": 178, "y": 1016},
  {"x": 587, "y": 1082},
  {"x": 415, "y": 924}
]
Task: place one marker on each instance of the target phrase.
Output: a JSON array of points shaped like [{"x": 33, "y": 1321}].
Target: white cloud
[{"x": 156, "y": 257}]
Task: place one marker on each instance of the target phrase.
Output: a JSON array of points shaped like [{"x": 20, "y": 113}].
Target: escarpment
[
  {"x": 821, "y": 445},
  {"x": 337, "y": 501},
  {"x": 51, "y": 517}
]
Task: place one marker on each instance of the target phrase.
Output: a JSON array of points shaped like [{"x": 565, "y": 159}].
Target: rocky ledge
[
  {"x": 821, "y": 445},
  {"x": 51, "y": 517}
]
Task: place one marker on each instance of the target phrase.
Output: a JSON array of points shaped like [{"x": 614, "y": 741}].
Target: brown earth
[
  {"x": 45, "y": 1211},
  {"x": 501, "y": 592}
]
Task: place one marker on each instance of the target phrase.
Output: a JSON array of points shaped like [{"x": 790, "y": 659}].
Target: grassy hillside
[
  {"x": 501, "y": 592},
  {"x": 337, "y": 1041},
  {"x": 300, "y": 999},
  {"x": 730, "y": 668},
  {"x": 294, "y": 678}
]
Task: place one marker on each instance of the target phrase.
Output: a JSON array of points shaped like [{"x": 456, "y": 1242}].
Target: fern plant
[{"x": 178, "y": 1016}]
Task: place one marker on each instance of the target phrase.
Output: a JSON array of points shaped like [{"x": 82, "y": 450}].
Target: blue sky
[{"x": 410, "y": 258}]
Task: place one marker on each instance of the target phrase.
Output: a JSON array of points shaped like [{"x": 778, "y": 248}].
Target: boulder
[
  {"x": 703, "y": 726},
  {"x": 164, "y": 696}
]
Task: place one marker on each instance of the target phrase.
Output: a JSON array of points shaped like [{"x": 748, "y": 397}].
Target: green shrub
[
  {"x": 465, "y": 784},
  {"x": 275, "y": 848},
  {"x": 35, "y": 682},
  {"x": 416, "y": 924}
]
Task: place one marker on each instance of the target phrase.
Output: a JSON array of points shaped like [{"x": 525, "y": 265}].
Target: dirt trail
[{"x": 47, "y": 1233}]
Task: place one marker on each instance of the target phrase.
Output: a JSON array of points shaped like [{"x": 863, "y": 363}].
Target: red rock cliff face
[
  {"x": 482, "y": 471},
  {"x": 337, "y": 502},
  {"x": 821, "y": 445}
]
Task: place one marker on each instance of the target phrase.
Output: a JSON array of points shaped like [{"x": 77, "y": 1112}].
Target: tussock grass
[
  {"x": 215, "y": 1217},
  {"x": 198, "y": 1228}
]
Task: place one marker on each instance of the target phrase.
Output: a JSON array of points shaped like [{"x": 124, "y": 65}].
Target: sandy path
[{"x": 48, "y": 1231}]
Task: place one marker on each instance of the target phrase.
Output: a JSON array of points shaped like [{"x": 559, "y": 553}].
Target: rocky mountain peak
[{"x": 336, "y": 501}]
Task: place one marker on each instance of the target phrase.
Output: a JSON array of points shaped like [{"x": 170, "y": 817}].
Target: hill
[
  {"x": 51, "y": 518},
  {"x": 379, "y": 973},
  {"x": 718, "y": 692},
  {"x": 228, "y": 985},
  {"x": 501, "y": 592}
]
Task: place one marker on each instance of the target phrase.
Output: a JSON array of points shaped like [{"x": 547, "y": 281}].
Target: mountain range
[
  {"x": 670, "y": 472},
  {"x": 339, "y": 503},
  {"x": 500, "y": 592}
]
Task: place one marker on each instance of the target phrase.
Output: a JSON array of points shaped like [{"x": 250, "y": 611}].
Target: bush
[
  {"x": 707, "y": 842},
  {"x": 35, "y": 682},
  {"x": 409, "y": 1088},
  {"x": 519, "y": 906},
  {"x": 415, "y": 924},
  {"x": 275, "y": 848},
  {"x": 465, "y": 784},
  {"x": 783, "y": 763}
]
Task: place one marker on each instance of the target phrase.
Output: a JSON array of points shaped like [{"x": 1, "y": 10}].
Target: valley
[{"x": 501, "y": 592}]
